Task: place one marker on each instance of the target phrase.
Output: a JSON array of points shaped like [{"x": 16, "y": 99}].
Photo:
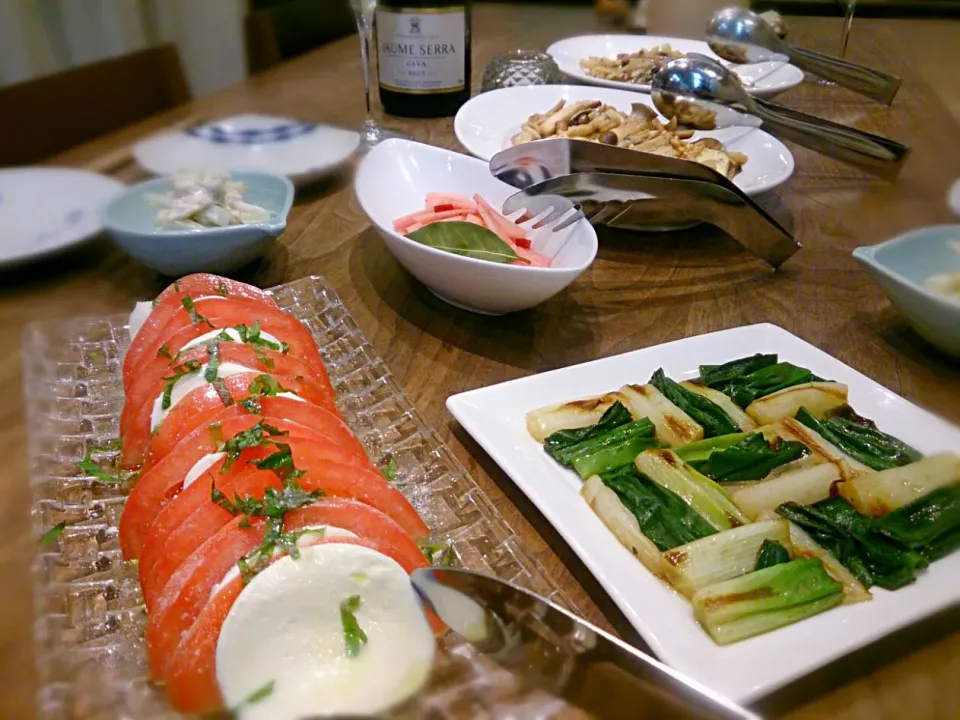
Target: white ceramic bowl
[
  {"x": 131, "y": 221},
  {"x": 394, "y": 179},
  {"x": 901, "y": 267}
]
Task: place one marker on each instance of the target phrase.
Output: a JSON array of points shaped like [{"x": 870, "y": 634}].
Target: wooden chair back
[
  {"x": 42, "y": 117},
  {"x": 292, "y": 27}
]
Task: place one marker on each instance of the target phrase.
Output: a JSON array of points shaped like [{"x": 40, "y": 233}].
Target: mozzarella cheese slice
[
  {"x": 187, "y": 384},
  {"x": 141, "y": 311},
  {"x": 232, "y": 332},
  {"x": 286, "y": 628},
  {"x": 200, "y": 467}
]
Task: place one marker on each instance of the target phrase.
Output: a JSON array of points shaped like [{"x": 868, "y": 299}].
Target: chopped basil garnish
[
  {"x": 216, "y": 434},
  {"x": 221, "y": 387},
  {"x": 195, "y": 317},
  {"x": 91, "y": 468},
  {"x": 390, "y": 470},
  {"x": 439, "y": 554},
  {"x": 247, "y": 505},
  {"x": 188, "y": 368},
  {"x": 221, "y": 288},
  {"x": 251, "y": 405},
  {"x": 213, "y": 361},
  {"x": 164, "y": 352},
  {"x": 51, "y": 535},
  {"x": 251, "y": 437},
  {"x": 264, "y": 385},
  {"x": 264, "y": 359},
  {"x": 353, "y": 635}
]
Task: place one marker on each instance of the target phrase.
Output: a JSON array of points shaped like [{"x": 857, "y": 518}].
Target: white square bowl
[
  {"x": 752, "y": 668},
  {"x": 394, "y": 179}
]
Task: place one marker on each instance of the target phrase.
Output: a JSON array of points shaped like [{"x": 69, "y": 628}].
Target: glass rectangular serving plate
[
  {"x": 749, "y": 669},
  {"x": 89, "y": 616}
]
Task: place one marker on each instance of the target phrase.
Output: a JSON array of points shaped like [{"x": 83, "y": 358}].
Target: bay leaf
[{"x": 466, "y": 239}]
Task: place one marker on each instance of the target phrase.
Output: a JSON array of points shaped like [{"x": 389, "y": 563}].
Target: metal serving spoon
[
  {"x": 700, "y": 87},
  {"x": 742, "y": 36}
]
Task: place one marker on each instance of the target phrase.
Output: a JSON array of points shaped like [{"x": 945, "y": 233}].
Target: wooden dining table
[{"x": 643, "y": 289}]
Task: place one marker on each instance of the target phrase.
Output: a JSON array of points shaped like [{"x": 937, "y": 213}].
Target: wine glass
[
  {"x": 364, "y": 11},
  {"x": 848, "y": 7}
]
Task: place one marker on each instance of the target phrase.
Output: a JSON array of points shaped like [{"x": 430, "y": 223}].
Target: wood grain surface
[{"x": 641, "y": 291}]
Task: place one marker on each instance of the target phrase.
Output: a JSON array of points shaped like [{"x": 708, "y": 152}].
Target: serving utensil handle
[
  {"x": 879, "y": 155},
  {"x": 874, "y": 84}
]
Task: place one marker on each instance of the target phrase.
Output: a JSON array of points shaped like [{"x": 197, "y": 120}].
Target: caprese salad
[{"x": 273, "y": 556}]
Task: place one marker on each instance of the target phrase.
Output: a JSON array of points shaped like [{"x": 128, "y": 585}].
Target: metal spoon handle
[
  {"x": 874, "y": 84},
  {"x": 877, "y": 154}
]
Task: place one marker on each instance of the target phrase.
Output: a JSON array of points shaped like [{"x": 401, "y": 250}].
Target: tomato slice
[
  {"x": 191, "y": 678},
  {"x": 178, "y": 425},
  {"x": 191, "y": 517},
  {"x": 219, "y": 313},
  {"x": 151, "y": 378},
  {"x": 170, "y": 301},
  {"x": 155, "y": 488},
  {"x": 136, "y": 435}
]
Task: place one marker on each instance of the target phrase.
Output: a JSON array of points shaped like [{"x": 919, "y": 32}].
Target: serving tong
[{"x": 632, "y": 190}]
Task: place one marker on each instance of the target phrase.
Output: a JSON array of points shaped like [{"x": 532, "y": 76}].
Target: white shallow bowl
[
  {"x": 280, "y": 146},
  {"x": 394, "y": 179},
  {"x": 47, "y": 210},
  {"x": 747, "y": 670},
  {"x": 486, "y": 124},
  {"x": 764, "y": 79},
  {"x": 901, "y": 267},
  {"x": 131, "y": 221}
]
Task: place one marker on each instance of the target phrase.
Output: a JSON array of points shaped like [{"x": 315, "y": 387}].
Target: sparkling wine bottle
[{"x": 423, "y": 49}]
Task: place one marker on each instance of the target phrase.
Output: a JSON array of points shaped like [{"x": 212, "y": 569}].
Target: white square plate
[{"x": 747, "y": 670}]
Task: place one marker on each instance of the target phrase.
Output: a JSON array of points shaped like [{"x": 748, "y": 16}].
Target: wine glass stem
[
  {"x": 365, "y": 27},
  {"x": 848, "y": 8}
]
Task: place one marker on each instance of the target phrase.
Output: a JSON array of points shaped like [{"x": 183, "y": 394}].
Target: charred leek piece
[
  {"x": 674, "y": 426},
  {"x": 622, "y": 523},
  {"x": 722, "y": 556},
  {"x": 751, "y": 378},
  {"x": 753, "y": 458},
  {"x": 860, "y": 439},
  {"x": 615, "y": 416},
  {"x": 765, "y": 600},
  {"x": 872, "y": 557},
  {"x": 701, "y": 493},
  {"x": 701, "y": 450},
  {"x": 545, "y": 421},
  {"x": 771, "y": 553},
  {"x": 929, "y": 525},
  {"x": 791, "y": 429},
  {"x": 806, "y": 546},
  {"x": 819, "y": 398},
  {"x": 806, "y": 485},
  {"x": 707, "y": 413},
  {"x": 883, "y": 492},
  {"x": 662, "y": 516}
]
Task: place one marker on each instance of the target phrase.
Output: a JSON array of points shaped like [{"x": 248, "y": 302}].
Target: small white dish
[
  {"x": 747, "y": 670},
  {"x": 394, "y": 179},
  {"x": 280, "y": 146},
  {"x": 764, "y": 79},
  {"x": 47, "y": 210},
  {"x": 131, "y": 221},
  {"x": 486, "y": 124},
  {"x": 901, "y": 266}
]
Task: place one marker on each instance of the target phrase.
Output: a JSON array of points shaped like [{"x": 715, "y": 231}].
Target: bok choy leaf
[
  {"x": 873, "y": 558},
  {"x": 615, "y": 416},
  {"x": 663, "y": 516},
  {"x": 860, "y": 438},
  {"x": 926, "y": 524},
  {"x": 751, "y": 459},
  {"x": 750, "y": 378},
  {"x": 766, "y": 599},
  {"x": 703, "y": 410}
]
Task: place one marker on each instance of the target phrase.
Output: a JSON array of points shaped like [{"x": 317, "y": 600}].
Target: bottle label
[{"x": 421, "y": 51}]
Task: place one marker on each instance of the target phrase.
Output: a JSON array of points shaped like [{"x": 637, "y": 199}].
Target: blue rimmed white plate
[
  {"x": 45, "y": 210},
  {"x": 301, "y": 151}
]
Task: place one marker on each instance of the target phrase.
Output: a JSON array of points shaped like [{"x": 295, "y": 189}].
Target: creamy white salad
[{"x": 205, "y": 199}]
